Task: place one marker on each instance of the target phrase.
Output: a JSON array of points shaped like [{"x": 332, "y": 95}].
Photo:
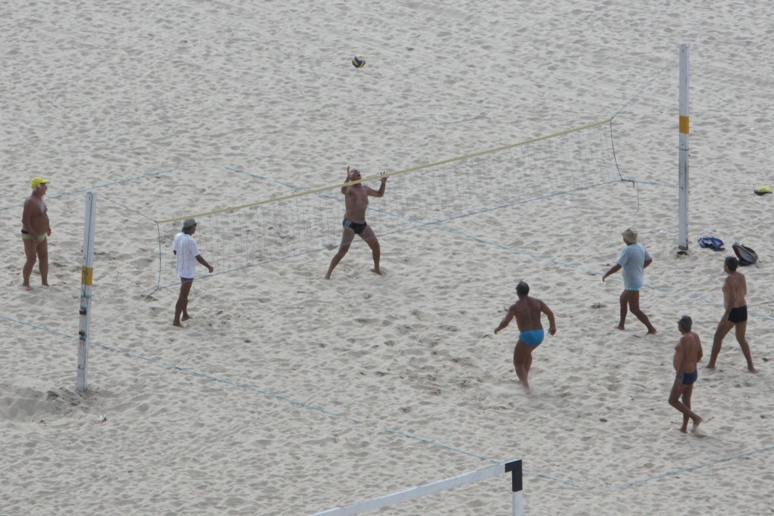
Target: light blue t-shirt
[{"x": 632, "y": 260}]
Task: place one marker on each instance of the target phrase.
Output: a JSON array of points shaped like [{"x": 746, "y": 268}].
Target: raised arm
[
  {"x": 552, "y": 324},
  {"x": 507, "y": 319},
  {"x": 380, "y": 193},
  {"x": 345, "y": 189}
]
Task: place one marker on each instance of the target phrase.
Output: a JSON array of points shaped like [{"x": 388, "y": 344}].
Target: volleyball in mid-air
[{"x": 358, "y": 61}]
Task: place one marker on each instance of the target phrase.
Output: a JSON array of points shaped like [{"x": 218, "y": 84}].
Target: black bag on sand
[{"x": 745, "y": 254}]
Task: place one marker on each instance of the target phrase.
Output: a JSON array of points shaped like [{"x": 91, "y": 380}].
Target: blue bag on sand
[{"x": 713, "y": 243}]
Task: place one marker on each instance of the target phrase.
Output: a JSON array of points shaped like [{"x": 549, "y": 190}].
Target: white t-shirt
[
  {"x": 632, "y": 260},
  {"x": 186, "y": 252}
]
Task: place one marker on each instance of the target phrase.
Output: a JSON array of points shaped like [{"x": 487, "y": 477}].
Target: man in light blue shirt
[{"x": 633, "y": 261}]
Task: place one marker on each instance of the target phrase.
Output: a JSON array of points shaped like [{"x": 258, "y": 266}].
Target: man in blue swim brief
[
  {"x": 527, "y": 312},
  {"x": 532, "y": 338}
]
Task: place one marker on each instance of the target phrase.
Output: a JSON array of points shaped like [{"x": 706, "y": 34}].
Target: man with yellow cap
[{"x": 34, "y": 233}]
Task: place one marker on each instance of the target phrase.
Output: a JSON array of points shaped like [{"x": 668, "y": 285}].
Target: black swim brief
[
  {"x": 689, "y": 379},
  {"x": 738, "y": 314},
  {"x": 357, "y": 227}
]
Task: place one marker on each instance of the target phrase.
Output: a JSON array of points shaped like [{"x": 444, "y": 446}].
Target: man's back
[
  {"x": 527, "y": 313},
  {"x": 734, "y": 290},
  {"x": 186, "y": 251},
  {"x": 687, "y": 353},
  {"x": 632, "y": 260}
]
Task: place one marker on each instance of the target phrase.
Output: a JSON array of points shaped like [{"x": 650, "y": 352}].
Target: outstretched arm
[
  {"x": 374, "y": 193},
  {"x": 506, "y": 320},
  {"x": 552, "y": 323},
  {"x": 615, "y": 268}
]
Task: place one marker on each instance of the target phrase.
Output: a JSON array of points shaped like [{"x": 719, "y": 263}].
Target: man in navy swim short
[
  {"x": 688, "y": 354},
  {"x": 356, "y": 203},
  {"x": 527, "y": 312},
  {"x": 735, "y": 316}
]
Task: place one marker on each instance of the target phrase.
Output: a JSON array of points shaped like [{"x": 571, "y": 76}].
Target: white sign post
[{"x": 85, "y": 302}]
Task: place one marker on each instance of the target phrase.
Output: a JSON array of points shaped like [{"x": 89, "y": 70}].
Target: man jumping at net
[
  {"x": 356, "y": 203},
  {"x": 527, "y": 312}
]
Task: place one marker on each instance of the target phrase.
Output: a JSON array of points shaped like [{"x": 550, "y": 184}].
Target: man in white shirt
[
  {"x": 186, "y": 254},
  {"x": 633, "y": 260}
]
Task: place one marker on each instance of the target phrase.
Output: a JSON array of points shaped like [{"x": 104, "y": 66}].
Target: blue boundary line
[
  {"x": 388, "y": 430},
  {"x": 686, "y": 470},
  {"x": 282, "y": 398}
]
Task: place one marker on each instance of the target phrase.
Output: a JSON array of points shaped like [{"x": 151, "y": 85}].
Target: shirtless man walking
[
  {"x": 688, "y": 354},
  {"x": 356, "y": 203},
  {"x": 34, "y": 233},
  {"x": 735, "y": 316},
  {"x": 527, "y": 312}
]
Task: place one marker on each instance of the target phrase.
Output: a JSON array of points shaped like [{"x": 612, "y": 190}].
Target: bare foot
[
  {"x": 620, "y": 327},
  {"x": 684, "y": 429},
  {"x": 45, "y": 284},
  {"x": 710, "y": 366},
  {"x": 327, "y": 276},
  {"x": 752, "y": 369},
  {"x": 26, "y": 287},
  {"x": 379, "y": 272},
  {"x": 185, "y": 317},
  {"x": 651, "y": 332},
  {"x": 178, "y": 325}
]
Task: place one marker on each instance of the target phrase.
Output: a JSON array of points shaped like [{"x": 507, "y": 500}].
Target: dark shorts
[
  {"x": 688, "y": 379},
  {"x": 738, "y": 314},
  {"x": 357, "y": 227}
]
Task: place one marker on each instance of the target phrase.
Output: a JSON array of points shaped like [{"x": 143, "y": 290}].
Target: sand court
[{"x": 289, "y": 394}]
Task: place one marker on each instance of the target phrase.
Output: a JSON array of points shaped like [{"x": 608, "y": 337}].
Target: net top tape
[{"x": 375, "y": 177}]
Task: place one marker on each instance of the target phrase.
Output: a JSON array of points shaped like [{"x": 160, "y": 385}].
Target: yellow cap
[{"x": 38, "y": 181}]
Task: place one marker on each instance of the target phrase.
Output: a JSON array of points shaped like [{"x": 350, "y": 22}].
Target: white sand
[{"x": 222, "y": 417}]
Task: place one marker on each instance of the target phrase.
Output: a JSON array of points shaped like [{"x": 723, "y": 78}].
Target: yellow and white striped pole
[
  {"x": 85, "y": 303},
  {"x": 684, "y": 130}
]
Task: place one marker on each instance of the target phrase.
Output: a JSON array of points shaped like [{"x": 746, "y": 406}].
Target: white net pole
[
  {"x": 85, "y": 301},
  {"x": 684, "y": 130}
]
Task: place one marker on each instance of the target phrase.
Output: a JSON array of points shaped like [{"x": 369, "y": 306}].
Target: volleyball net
[{"x": 306, "y": 221}]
